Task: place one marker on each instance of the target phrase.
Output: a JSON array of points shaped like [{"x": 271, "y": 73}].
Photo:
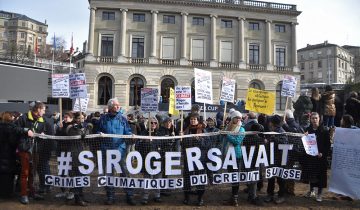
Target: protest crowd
[{"x": 25, "y": 159}]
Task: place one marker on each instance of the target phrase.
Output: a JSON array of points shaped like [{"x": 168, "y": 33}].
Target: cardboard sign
[
  {"x": 289, "y": 86},
  {"x": 149, "y": 99},
  {"x": 81, "y": 102},
  {"x": 203, "y": 86},
  {"x": 228, "y": 90},
  {"x": 78, "y": 85},
  {"x": 310, "y": 144},
  {"x": 60, "y": 86},
  {"x": 183, "y": 97},
  {"x": 172, "y": 109},
  {"x": 260, "y": 101}
]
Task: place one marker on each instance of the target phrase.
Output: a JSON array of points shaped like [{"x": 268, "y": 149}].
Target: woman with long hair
[{"x": 315, "y": 99}]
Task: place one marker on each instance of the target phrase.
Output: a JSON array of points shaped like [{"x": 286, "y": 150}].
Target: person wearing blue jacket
[
  {"x": 115, "y": 123},
  {"x": 235, "y": 140}
]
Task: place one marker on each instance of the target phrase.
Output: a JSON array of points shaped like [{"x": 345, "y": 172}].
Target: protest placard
[
  {"x": 183, "y": 97},
  {"x": 172, "y": 109},
  {"x": 260, "y": 101},
  {"x": 310, "y": 144},
  {"x": 149, "y": 99},
  {"x": 81, "y": 103},
  {"x": 60, "y": 86},
  {"x": 289, "y": 86},
  {"x": 78, "y": 85},
  {"x": 203, "y": 86},
  {"x": 228, "y": 90}
]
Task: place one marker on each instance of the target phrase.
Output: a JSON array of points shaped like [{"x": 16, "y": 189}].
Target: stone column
[
  {"x": 153, "y": 58},
  {"x": 91, "y": 30},
  {"x": 213, "y": 62},
  {"x": 293, "y": 48},
  {"x": 242, "y": 47},
  {"x": 184, "y": 59},
  {"x": 269, "y": 64},
  {"x": 122, "y": 56}
]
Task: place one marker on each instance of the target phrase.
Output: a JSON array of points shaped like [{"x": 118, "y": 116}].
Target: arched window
[
  {"x": 166, "y": 84},
  {"x": 256, "y": 85},
  {"x": 104, "y": 90},
  {"x": 135, "y": 91},
  {"x": 280, "y": 100}
]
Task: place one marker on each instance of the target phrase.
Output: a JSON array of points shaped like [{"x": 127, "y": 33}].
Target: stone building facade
[{"x": 157, "y": 43}]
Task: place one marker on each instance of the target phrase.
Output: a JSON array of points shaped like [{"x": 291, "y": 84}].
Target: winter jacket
[
  {"x": 292, "y": 126},
  {"x": 114, "y": 124},
  {"x": 302, "y": 105},
  {"x": 316, "y": 106},
  {"x": 328, "y": 102},
  {"x": 352, "y": 108},
  {"x": 236, "y": 141}
]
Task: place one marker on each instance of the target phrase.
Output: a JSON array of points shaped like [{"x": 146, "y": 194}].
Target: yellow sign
[
  {"x": 260, "y": 101},
  {"x": 172, "y": 109}
]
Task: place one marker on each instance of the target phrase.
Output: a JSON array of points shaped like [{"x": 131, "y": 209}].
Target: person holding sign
[
  {"x": 115, "y": 123},
  {"x": 317, "y": 165}
]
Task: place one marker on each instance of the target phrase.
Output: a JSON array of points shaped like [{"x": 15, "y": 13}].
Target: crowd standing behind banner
[{"x": 16, "y": 139}]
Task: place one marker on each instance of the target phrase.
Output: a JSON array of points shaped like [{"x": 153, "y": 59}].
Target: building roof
[
  {"x": 317, "y": 46},
  {"x": 16, "y": 16},
  {"x": 350, "y": 47}
]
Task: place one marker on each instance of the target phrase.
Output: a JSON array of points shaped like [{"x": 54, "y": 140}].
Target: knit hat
[{"x": 234, "y": 114}]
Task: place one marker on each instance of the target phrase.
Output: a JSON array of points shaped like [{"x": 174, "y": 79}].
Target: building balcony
[
  {"x": 170, "y": 62},
  {"x": 283, "y": 68},
  {"x": 139, "y": 60},
  {"x": 105, "y": 59},
  {"x": 256, "y": 67},
  {"x": 199, "y": 63},
  {"x": 228, "y": 65}
]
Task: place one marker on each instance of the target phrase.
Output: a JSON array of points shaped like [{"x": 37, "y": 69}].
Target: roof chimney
[{"x": 326, "y": 42}]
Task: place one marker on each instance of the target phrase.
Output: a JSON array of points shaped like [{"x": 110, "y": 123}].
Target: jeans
[{"x": 329, "y": 121}]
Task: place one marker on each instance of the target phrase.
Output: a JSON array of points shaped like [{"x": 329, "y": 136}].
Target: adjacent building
[
  {"x": 18, "y": 35},
  {"x": 355, "y": 50},
  {"x": 326, "y": 63},
  {"x": 157, "y": 43}
]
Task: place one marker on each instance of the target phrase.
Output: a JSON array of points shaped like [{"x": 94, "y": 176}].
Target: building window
[
  {"x": 302, "y": 66},
  {"x": 5, "y": 23},
  {"x": 32, "y": 27},
  {"x": 280, "y": 100},
  {"x": 256, "y": 85},
  {"x": 198, "y": 49},
  {"x": 254, "y": 26},
  {"x": 30, "y": 38},
  {"x": 169, "y": 19},
  {"x": 104, "y": 90},
  {"x": 107, "y": 45},
  {"x": 166, "y": 84},
  {"x": 168, "y": 48},
  {"x": 108, "y": 15},
  {"x": 319, "y": 64},
  {"x": 226, "y": 51},
  {"x": 254, "y": 54},
  {"x": 40, "y": 29},
  {"x": 226, "y": 23},
  {"x": 311, "y": 65},
  {"x": 198, "y": 21},
  {"x": 23, "y": 24},
  {"x": 22, "y": 35},
  {"x": 22, "y": 47},
  {"x": 302, "y": 77},
  {"x": 4, "y": 46},
  {"x": 320, "y": 75},
  {"x": 345, "y": 66},
  {"x": 339, "y": 63},
  {"x": 280, "y": 28},
  {"x": 280, "y": 56},
  {"x": 137, "y": 48},
  {"x": 138, "y": 17},
  {"x": 135, "y": 91}
]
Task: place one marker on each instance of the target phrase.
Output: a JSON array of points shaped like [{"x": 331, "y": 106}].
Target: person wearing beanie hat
[{"x": 235, "y": 141}]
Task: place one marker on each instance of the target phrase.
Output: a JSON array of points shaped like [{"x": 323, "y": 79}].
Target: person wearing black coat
[
  {"x": 10, "y": 135},
  {"x": 317, "y": 165},
  {"x": 352, "y": 107}
]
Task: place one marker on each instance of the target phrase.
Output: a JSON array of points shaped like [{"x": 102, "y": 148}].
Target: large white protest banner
[
  {"x": 203, "y": 86},
  {"x": 81, "y": 104},
  {"x": 228, "y": 90},
  {"x": 183, "y": 97},
  {"x": 149, "y": 99},
  {"x": 78, "y": 85},
  {"x": 289, "y": 86},
  {"x": 60, "y": 86},
  {"x": 310, "y": 144},
  {"x": 345, "y": 166}
]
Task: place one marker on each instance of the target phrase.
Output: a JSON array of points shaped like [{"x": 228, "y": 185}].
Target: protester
[
  {"x": 328, "y": 103},
  {"x": 235, "y": 141},
  {"x": 352, "y": 107},
  {"x": 10, "y": 135},
  {"x": 275, "y": 125},
  {"x": 317, "y": 165},
  {"x": 347, "y": 121},
  {"x": 302, "y": 106},
  {"x": 33, "y": 120},
  {"x": 114, "y": 123},
  {"x": 195, "y": 127},
  {"x": 315, "y": 100}
]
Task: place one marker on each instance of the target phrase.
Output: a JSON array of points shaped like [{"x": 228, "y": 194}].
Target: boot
[
  {"x": 235, "y": 200},
  {"x": 187, "y": 198}
]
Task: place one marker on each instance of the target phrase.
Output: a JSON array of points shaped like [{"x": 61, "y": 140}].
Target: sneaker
[
  {"x": 60, "y": 195},
  {"x": 310, "y": 194},
  {"x": 24, "y": 200},
  {"x": 269, "y": 198},
  {"x": 200, "y": 202},
  {"x": 280, "y": 200},
  {"x": 70, "y": 196},
  {"x": 319, "y": 198}
]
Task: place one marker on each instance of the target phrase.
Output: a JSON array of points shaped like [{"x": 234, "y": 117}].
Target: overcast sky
[{"x": 320, "y": 20}]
